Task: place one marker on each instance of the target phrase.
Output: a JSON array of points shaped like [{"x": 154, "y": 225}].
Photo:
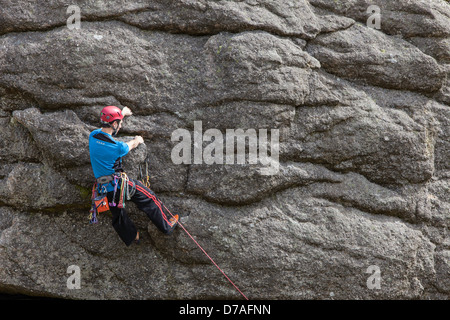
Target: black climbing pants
[{"x": 147, "y": 201}]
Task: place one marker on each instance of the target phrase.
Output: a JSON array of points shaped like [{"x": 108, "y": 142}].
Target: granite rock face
[{"x": 358, "y": 208}]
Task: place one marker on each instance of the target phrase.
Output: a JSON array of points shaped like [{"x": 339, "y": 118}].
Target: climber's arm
[{"x": 138, "y": 139}]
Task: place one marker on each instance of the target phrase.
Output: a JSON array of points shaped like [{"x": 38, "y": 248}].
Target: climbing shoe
[{"x": 173, "y": 221}]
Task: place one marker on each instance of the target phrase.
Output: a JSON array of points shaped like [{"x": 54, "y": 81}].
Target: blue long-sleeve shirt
[{"x": 106, "y": 154}]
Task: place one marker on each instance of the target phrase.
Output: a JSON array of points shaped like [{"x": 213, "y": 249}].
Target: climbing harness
[{"x": 99, "y": 194}]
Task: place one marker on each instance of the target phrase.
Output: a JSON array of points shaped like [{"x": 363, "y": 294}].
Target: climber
[{"x": 106, "y": 159}]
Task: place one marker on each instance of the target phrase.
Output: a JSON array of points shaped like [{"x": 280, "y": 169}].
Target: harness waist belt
[{"x": 105, "y": 179}]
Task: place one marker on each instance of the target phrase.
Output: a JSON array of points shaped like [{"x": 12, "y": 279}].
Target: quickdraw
[
  {"x": 113, "y": 203},
  {"x": 126, "y": 190},
  {"x": 144, "y": 179},
  {"x": 99, "y": 195},
  {"x": 120, "y": 181},
  {"x": 122, "y": 191}
]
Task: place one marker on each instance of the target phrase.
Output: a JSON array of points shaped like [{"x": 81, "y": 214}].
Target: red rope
[
  {"x": 201, "y": 248},
  {"x": 210, "y": 258}
]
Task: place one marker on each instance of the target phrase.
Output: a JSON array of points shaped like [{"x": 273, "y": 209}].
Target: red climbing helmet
[{"x": 111, "y": 113}]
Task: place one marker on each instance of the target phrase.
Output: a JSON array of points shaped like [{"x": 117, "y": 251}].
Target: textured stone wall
[{"x": 364, "y": 147}]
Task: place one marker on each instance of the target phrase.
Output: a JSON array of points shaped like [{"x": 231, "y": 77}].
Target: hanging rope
[
  {"x": 210, "y": 259},
  {"x": 195, "y": 241}
]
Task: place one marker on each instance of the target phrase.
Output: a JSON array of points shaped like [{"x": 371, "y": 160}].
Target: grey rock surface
[{"x": 364, "y": 147}]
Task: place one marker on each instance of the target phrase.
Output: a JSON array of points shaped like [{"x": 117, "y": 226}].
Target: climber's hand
[
  {"x": 139, "y": 139},
  {"x": 126, "y": 112}
]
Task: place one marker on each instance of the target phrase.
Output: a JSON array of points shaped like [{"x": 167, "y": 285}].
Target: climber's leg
[
  {"x": 147, "y": 201},
  {"x": 122, "y": 223}
]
